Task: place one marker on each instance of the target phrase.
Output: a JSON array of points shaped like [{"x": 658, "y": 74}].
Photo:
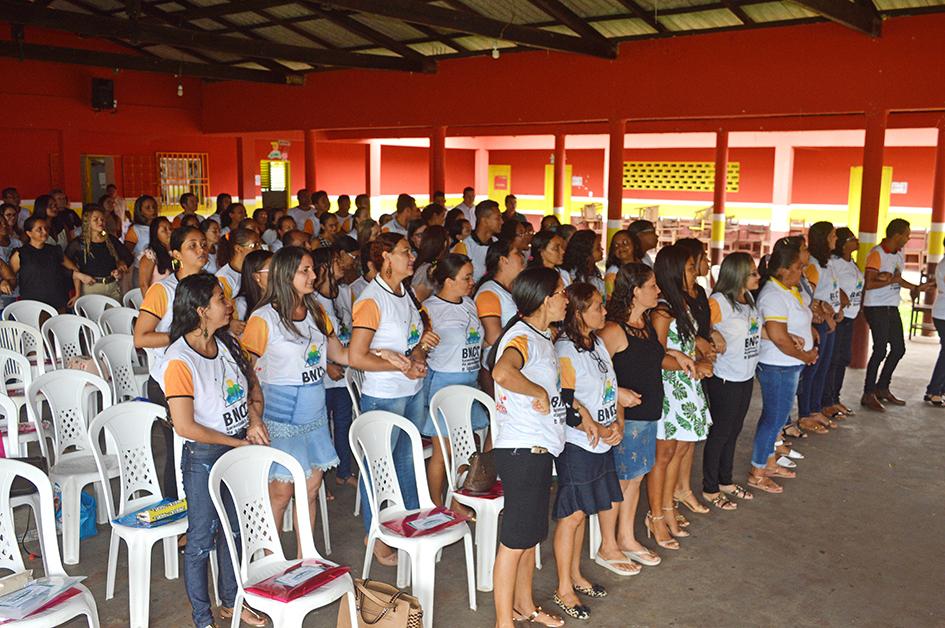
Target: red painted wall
[
  {"x": 528, "y": 169},
  {"x": 404, "y": 169},
  {"x": 460, "y": 169}
]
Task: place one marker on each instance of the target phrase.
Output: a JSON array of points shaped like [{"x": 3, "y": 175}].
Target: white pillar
[{"x": 781, "y": 194}]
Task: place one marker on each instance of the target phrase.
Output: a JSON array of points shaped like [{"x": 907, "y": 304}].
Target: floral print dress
[{"x": 685, "y": 409}]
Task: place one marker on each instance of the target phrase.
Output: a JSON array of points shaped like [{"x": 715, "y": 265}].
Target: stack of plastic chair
[
  {"x": 26, "y": 340},
  {"x": 133, "y": 298},
  {"x": 10, "y": 442},
  {"x": 116, "y": 358},
  {"x": 70, "y": 336},
  {"x": 118, "y": 320},
  {"x": 91, "y": 306},
  {"x": 128, "y": 425},
  {"x": 370, "y": 438},
  {"x": 17, "y": 377},
  {"x": 452, "y": 405},
  {"x": 79, "y": 605},
  {"x": 245, "y": 474}
]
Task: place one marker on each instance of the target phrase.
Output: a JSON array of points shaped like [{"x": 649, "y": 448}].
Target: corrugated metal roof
[
  {"x": 380, "y": 52},
  {"x": 777, "y": 12},
  {"x": 475, "y": 42},
  {"x": 395, "y": 29},
  {"x": 514, "y": 11},
  {"x": 595, "y": 8},
  {"x": 167, "y": 52},
  {"x": 247, "y": 18},
  {"x": 208, "y": 3},
  {"x": 289, "y": 11},
  {"x": 67, "y": 6},
  {"x": 333, "y": 34},
  {"x": 170, "y": 7},
  {"x": 892, "y": 5},
  {"x": 702, "y": 20},
  {"x": 283, "y": 35},
  {"x": 656, "y": 5},
  {"x": 433, "y": 48},
  {"x": 207, "y": 24},
  {"x": 623, "y": 28}
]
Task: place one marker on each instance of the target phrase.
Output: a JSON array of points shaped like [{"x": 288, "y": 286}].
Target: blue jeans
[
  {"x": 937, "y": 383},
  {"x": 778, "y": 387},
  {"x": 410, "y": 408},
  {"x": 204, "y": 533},
  {"x": 810, "y": 388},
  {"x": 339, "y": 413},
  {"x": 842, "y": 353}
]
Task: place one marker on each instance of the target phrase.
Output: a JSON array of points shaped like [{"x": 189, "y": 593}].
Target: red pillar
[
  {"x": 718, "y": 196},
  {"x": 557, "y": 201},
  {"x": 618, "y": 129},
  {"x": 937, "y": 231},
  {"x": 438, "y": 160},
  {"x": 310, "y": 136},
  {"x": 873, "y": 148},
  {"x": 245, "y": 171}
]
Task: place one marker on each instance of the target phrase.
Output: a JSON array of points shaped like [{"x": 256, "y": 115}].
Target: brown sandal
[
  {"x": 764, "y": 484},
  {"x": 532, "y": 618},
  {"x": 248, "y": 616}
]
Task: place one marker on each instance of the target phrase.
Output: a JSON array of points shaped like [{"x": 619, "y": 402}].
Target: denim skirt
[
  {"x": 297, "y": 420},
  {"x": 635, "y": 454}
]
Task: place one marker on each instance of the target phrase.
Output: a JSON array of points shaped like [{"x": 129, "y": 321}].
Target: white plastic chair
[
  {"x": 118, "y": 320},
  {"x": 129, "y": 426},
  {"x": 70, "y": 336},
  {"x": 10, "y": 444},
  {"x": 288, "y": 520},
  {"x": 245, "y": 472},
  {"x": 116, "y": 358},
  {"x": 133, "y": 298},
  {"x": 354, "y": 380},
  {"x": 32, "y": 313},
  {"x": 71, "y": 398},
  {"x": 10, "y": 558},
  {"x": 28, "y": 341},
  {"x": 17, "y": 377},
  {"x": 91, "y": 306},
  {"x": 454, "y": 404},
  {"x": 370, "y": 439}
]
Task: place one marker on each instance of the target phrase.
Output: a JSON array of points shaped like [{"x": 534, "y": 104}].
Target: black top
[
  {"x": 99, "y": 262},
  {"x": 41, "y": 276},
  {"x": 639, "y": 367},
  {"x": 699, "y": 307}
]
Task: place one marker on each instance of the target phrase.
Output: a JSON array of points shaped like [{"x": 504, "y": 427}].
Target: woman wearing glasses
[{"x": 232, "y": 252}]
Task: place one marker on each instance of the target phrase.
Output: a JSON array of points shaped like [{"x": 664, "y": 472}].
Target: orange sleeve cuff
[
  {"x": 520, "y": 344},
  {"x": 366, "y": 314},
  {"x": 568, "y": 376},
  {"x": 178, "y": 380},
  {"x": 155, "y": 301},
  {"x": 255, "y": 336},
  {"x": 487, "y": 304},
  {"x": 715, "y": 312}
]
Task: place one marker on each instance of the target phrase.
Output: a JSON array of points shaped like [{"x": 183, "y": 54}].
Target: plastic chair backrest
[
  {"x": 70, "y": 395},
  {"x": 133, "y": 298},
  {"x": 454, "y": 404},
  {"x": 245, "y": 472},
  {"x": 70, "y": 336},
  {"x": 117, "y": 353},
  {"x": 354, "y": 381},
  {"x": 91, "y": 306},
  {"x": 118, "y": 320},
  {"x": 11, "y": 415},
  {"x": 370, "y": 440},
  {"x": 16, "y": 371},
  {"x": 128, "y": 425},
  {"x": 29, "y": 312},
  {"x": 10, "y": 557},
  {"x": 25, "y": 340}
]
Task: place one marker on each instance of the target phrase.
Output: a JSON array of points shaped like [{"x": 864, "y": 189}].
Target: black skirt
[
  {"x": 526, "y": 484},
  {"x": 587, "y": 482}
]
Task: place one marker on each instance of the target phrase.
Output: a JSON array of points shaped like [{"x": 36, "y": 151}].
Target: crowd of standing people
[{"x": 607, "y": 367}]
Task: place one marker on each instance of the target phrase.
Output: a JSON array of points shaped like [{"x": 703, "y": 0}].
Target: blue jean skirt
[
  {"x": 587, "y": 482},
  {"x": 636, "y": 453},
  {"x": 297, "y": 420},
  {"x": 434, "y": 381}
]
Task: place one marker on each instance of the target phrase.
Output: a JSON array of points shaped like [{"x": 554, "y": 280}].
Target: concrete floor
[{"x": 855, "y": 540}]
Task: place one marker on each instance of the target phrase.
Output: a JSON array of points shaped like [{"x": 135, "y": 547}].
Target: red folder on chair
[
  {"x": 298, "y": 580},
  {"x": 425, "y": 522}
]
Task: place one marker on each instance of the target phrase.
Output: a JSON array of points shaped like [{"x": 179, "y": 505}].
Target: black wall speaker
[{"x": 103, "y": 94}]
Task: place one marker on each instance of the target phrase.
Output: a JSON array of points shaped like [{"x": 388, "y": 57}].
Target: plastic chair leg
[
  {"x": 470, "y": 570},
  {"x": 423, "y": 575},
  {"x": 538, "y": 556},
  {"x": 214, "y": 579},
  {"x": 288, "y": 519},
  {"x": 101, "y": 508},
  {"x": 593, "y": 536},
  {"x": 357, "y": 503},
  {"x": 139, "y": 583},
  {"x": 403, "y": 569},
  {"x": 170, "y": 558},
  {"x": 114, "y": 544},
  {"x": 71, "y": 502},
  {"x": 369, "y": 557},
  {"x": 487, "y": 528},
  {"x": 323, "y": 507}
]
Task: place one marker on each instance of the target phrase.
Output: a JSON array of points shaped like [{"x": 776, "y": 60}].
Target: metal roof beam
[
  {"x": 569, "y": 18},
  {"x": 857, "y": 16},
  {"x": 430, "y": 15},
  {"x": 35, "y": 52},
  {"x": 641, "y": 13},
  {"x": 363, "y": 30},
  {"x": 97, "y": 26}
]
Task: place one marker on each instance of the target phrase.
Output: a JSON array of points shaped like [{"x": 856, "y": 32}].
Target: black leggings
[
  {"x": 728, "y": 403},
  {"x": 156, "y": 395}
]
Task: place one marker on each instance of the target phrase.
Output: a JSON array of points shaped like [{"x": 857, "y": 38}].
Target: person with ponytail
[
  {"x": 138, "y": 235},
  {"x": 253, "y": 282},
  {"x": 434, "y": 245},
  {"x": 529, "y": 434},
  {"x": 581, "y": 257},
  {"x": 98, "y": 255},
  {"x": 211, "y": 229},
  {"x": 387, "y": 317},
  {"x": 638, "y": 358},
  {"x": 335, "y": 298},
  {"x": 230, "y": 256},
  {"x": 587, "y": 478},
  {"x": 189, "y": 251},
  {"x": 516, "y": 233},
  {"x": 622, "y": 250},
  {"x": 685, "y": 418},
  {"x": 548, "y": 252},
  {"x": 851, "y": 281},
  {"x": 494, "y": 303},
  {"x": 154, "y": 265},
  {"x": 215, "y": 404},
  {"x": 786, "y": 346},
  {"x": 457, "y": 357}
]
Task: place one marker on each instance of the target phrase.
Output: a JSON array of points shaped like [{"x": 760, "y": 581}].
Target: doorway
[{"x": 97, "y": 172}]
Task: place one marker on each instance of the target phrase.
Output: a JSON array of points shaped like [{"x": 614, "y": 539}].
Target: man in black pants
[{"x": 881, "y": 307}]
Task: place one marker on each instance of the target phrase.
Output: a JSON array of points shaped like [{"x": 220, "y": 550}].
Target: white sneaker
[{"x": 786, "y": 462}]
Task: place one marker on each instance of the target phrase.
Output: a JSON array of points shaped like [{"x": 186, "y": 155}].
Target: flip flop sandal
[
  {"x": 786, "y": 462},
  {"x": 532, "y": 618},
  {"x": 595, "y": 590},
  {"x": 739, "y": 492},
  {"x": 796, "y": 433},
  {"x": 646, "y": 558},
  {"x": 813, "y": 426},
  {"x": 613, "y": 565},
  {"x": 766, "y": 485}
]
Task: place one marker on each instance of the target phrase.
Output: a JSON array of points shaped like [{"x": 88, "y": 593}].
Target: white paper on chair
[
  {"x": 297, "y": 576},
  {"x": 34, "y": 595},
  {"x": 430, "y": 522}
]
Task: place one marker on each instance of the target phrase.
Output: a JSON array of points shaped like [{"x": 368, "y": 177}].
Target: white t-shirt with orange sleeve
[
  {"x": 883, "y": 261},
  {"x": 159, "y": 302},
  {"x": 230, "y": 279},
  {"x": 285, "y": 358}
]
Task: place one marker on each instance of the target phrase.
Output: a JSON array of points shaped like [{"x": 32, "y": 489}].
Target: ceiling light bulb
[
  {"x": 495, "y": 52},
  {"x": 180, "y": 89}
]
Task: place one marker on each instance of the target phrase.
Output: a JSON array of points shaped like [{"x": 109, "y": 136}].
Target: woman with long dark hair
[
  {"x": 529, "y": 421},
  {"x": 622, "y": 250},
  {"x": 253, "y": 283},
  {"x": 494, "y": 301},
  {"x": 786, "y": 346},
  {"x": 215, "y": 405},
  {"x": 232, "y": 251},
  {"x": 154, "y": 265},
  {"x": 211, "y": 229},
  {"x": 99, "y": 255},
  {"x": 735, "y": 316},
  {"x": 138, "y": 235},
  {"x": 548, "y": 252},
  {"x": 685, "y": 418},
  {"x": 587, "y": 479},
  {"x": 851, "y": 281},
  {"x": 387, "y": 317},
  {"x": 152, "y": 329},
  {"x": 39, "y": 267},
  {"x": 516, "y": 233},
  {"x": 60, "y": 232},
  {"x": 456, "y": 359},
  {"x": 434, "y": 245},
  {"x": 581, "y": 257},
  {"x": 638, "y": 358}
]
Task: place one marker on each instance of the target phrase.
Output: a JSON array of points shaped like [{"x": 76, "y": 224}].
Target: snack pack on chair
[{"x": 381, "y": 605}]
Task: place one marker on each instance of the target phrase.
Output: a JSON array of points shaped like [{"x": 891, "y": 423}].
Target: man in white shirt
[
  {"x": 646, "y": 235},
  {"x": 468, "y": 206},
  {"x": 475, "y": 247},
  {"x": 406, "y": 211},
  {"x": 306, "y": 215}
]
